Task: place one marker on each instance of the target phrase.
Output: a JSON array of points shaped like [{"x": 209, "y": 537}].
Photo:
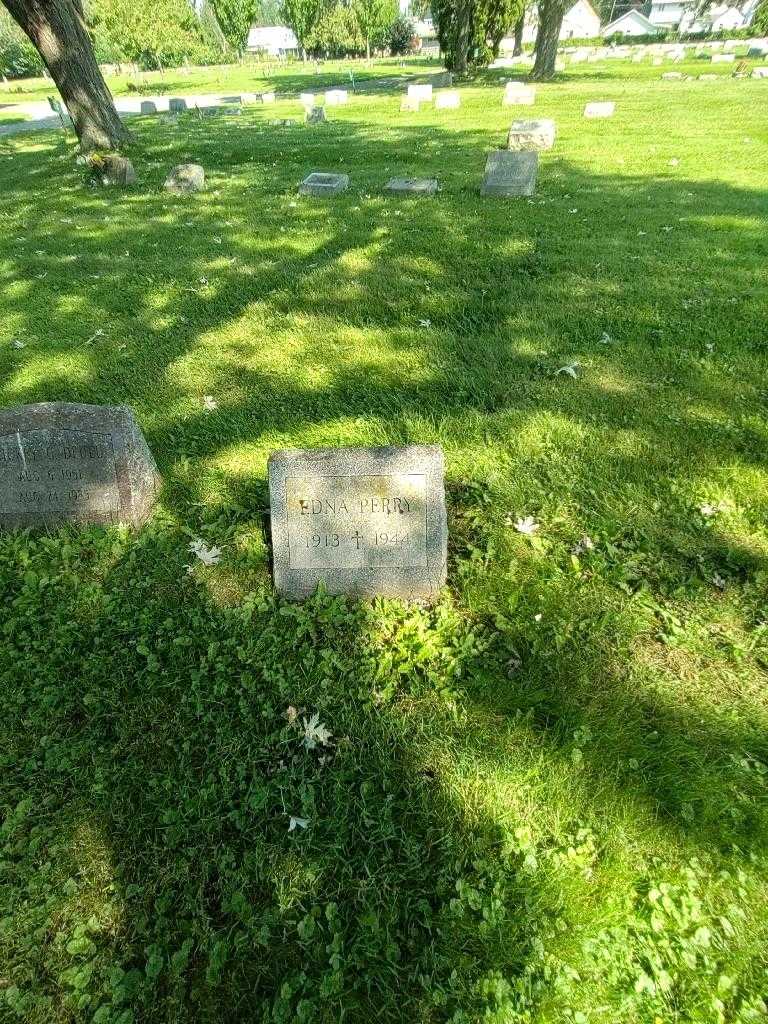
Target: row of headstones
[
  {"x": 63, "y": 462},
  {"x": 515, "y": 94},
  {"x": 678, "y": 76}
]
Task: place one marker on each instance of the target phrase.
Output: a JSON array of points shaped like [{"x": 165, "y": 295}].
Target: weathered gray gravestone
[
  {"x": 510, "y": 173},
  {"x": 531, "y": 135},
  {"x": 320, "y": 184},
  {"x": 316, "y": 115},
  {"x": 148, "y": 107},
  {"x": 176, "y": 106},
  {"x": 63, "y": 462},
  {"x": 185, "y": 178},
  {"x": 411, "y": 186},
  {"x": 362, "y": 521}
]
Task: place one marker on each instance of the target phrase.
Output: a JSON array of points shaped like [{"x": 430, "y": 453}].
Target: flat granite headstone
[
  {"x": 447, "y": 101},
  {"x": 510, "y": 173},
  {"x": 423, "y": 93},
  {"x": 361, "y": 521},
  {"x": 604, "y": 109},
  {"x": 723, "y": 58},
  {"x": 760, "y": 73},
  {"x": 148, "y": 107},
  {"x": 411, "y": 186},
  {"x": 321, "y": 184},
  {"x": 64, "y": 462},
  {"x": 518, "y": 93},
  {"x": 531, "y": 135}
]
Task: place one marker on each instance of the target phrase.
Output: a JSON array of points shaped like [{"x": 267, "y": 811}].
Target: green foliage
[
  {"x": 236, "y": 18},
  {"x": 373, "y": 18},
  {"x": 302, "y": 16},
  {"x": 489, "y": 21},
  {"x": 401, "y": 36},
  {"x": 151, "y": 33},
  {"x": 760, "y": 21},
  {"x": 18, "y": 57},
  {"x": 335, "y": 33}
]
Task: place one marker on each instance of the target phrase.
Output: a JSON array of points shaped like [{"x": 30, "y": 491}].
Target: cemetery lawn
[{"x": 544, "y": 799}]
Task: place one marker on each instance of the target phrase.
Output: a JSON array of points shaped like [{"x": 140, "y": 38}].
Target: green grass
[{"x": 545, "y": 798}]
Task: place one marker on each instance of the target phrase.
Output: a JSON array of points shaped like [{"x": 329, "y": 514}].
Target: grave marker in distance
[
  {"x": 411, "y": 186},
  {"x": 320, "y": 184},
  {"x": 66, "y": 462},
  {"x": 361, "y": 521},
  {"x": 604, "y": 109}
]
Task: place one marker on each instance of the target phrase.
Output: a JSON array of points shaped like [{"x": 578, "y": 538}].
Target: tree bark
[
  {"x": 463, "y": 29},
  {"x": 547, "y": 39},
  {"x": 519, "y": 27},
  {"x": 57, "y": 30}
]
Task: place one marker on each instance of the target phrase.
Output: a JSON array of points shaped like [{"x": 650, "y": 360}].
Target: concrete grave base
[{"x": 321, "y": 184}]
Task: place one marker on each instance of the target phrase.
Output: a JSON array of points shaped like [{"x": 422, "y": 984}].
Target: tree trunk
[
  {"x": 57, "y": 30},
  {"x": 547, "y": 39},
  {"x": 519, "y": 27},
  {"x": 463, "y": 29}
]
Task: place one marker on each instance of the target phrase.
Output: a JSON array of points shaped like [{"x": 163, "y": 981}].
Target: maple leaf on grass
[{"x": 207, "y": 555}]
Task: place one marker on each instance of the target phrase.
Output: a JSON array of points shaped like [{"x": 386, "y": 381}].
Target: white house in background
[
  {"x": 667, "y": 14},
  {"x": 633, "y": 23},
  {"x": 581, "y": 21},
  {"x": 276, "y": 40}
]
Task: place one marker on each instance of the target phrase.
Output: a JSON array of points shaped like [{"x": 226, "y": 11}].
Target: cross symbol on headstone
[{"x": 357, "y": 537}]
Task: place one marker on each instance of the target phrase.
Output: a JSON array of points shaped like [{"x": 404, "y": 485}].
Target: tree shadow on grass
[{"x": 368, "y": 321}]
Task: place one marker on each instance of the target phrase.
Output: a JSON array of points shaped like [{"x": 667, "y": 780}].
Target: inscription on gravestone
[
  {"x": 362, "y": 521},
  {"x": 78, "y": 463}
]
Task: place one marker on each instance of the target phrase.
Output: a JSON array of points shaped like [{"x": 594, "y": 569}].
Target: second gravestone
[
  {"x": 61, "y": 462},
  {"x": 361, "y": 521}
]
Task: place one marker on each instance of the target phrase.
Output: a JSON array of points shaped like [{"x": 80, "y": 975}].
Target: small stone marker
[
  {"x": 186, "y": 178},
  {"x": 307, "y": 99},
  {"x": 711, "y": 78},
  {"x": 420, "y": 92},
  {"x": 117, "y": 170},
  {"x": 321, "y": 184},
  {"x": 510, "y": 173},
  {"x": 760, "y": 73},
  {"x": 148, "y": 107},
  {"x": 604, "y": 109},
  {"x": 336, "y": 97},
  {"x": 723, "y": 58},
  {"x": 531, "y": 135},
  {"x": 361, "y": 521},
  {"x": 316, "y": 115},
  {"x": 519, "y": 94},
  {"x": 447, "y": 101},
  {"x": 267, "y": 97},
  {"x": 62, "y": 462},
  {"x": 673, "y": 76},
  {"x": 409, "y": 105},
  {"x": 411, "y": 186},
  {"x": 442, "y": 80},
  {"x": 283, "y": 122},
  {"x": 177, "y": 106}
]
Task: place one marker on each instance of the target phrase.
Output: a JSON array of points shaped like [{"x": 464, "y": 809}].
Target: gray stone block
[
  {"x": 316, "y": 115},
  {"x": 64, "y": 462},
  {"x": 510, "y": 173},
  {"x": 148, "y": 107},
  {"x": 321, "y": 184},
  {"x": 186, "y": 178},
  {"x": 361, "y": 521},
  {"x": 524, "y": 135},
  {"x": 412, "y": 186},
  {"x": 177, "y": 106}
]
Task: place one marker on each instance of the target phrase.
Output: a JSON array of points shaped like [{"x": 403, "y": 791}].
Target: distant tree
[
  {"x": 302, "y": 16},
  {"x": 268, "y": 12},
  {"x": 336, "y": 32},
  {"x": 59, "y": 34},
  {"x": 18, "y": 57},
  {"x": 236, "y": 18},
  {"x": 154, "y": 33},
  {"x": 470, "y": 31},
  {"x": 760, "y": 20},
  {"x": 519, "y": 29},
  {"x": 551, "y": 14},
  {"x": 373, "y": 17},
  {"x": 401, "y": 35}
]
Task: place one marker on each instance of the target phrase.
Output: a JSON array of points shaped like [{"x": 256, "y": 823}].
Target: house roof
[{"x": 636, "y": 16}]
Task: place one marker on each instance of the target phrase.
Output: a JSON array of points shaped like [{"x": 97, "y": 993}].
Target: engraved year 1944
[{"x": 377, "y": 539}]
